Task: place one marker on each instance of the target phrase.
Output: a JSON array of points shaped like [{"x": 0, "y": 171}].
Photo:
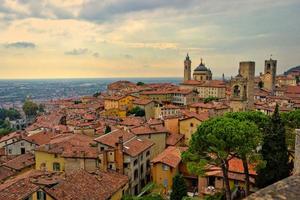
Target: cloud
[
  {"x": 101, "y": 10},
  {"x": 21, "y": 45},
  {"x": 96, "y": 55},
  {"x": 77, "y": 52}
]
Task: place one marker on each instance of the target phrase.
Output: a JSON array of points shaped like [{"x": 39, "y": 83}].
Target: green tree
[
  {"x": 140, "y": 83},
  {"x": 292, "y": 122},
  {"x": 30, "y": 108},
  {"x": 275, "y": 153},
  {"x": 260, "y": 84},
  {"x": 97, "y": 94},
  {"x": 107, "y": 129},
  {"x": 11, "y": 113},
  {"x": 41, "y": 108},
  {"x": 250, "y": 140},
  {"x": 210, "y": 98},
  {"x": 215, "y": 142},
  {"x": 137, "y": 111},
  {"x": 297, "y": 79},
  {"x": 179, "y": 188}
]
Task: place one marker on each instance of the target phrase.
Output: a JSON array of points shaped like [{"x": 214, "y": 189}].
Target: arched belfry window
[{"x": 236, "y": 91}]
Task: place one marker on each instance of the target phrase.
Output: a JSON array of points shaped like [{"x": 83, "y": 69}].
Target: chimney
[
  {"x": 297, "y": 153},
  {"x": 47, "y": 147}
]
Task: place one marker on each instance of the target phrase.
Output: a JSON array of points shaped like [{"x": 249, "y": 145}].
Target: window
[
  {"x": 41, "y": 195},
  {"x": 55, "y": 155},
  {"x": 136, "y": 174},
  {"x": 165, "y": 183},
  {"x": 142, "y": 169},
  {"x": 236, "y": 182},
  {"x": 148, "y": 164},
  {"x": 148, "y": 153},
  {"x": 22, "y": 150},
  {"x": 110, "y": 166},
  {"x": 192, "y": 125},
  {"x": 135, "y": 162},
  {"x": 142, "y": 157},
  {"x": 102, "y": 148},
  {"x": 56, "y": 167},
  {"x": 9, "y": 151},
  {"x": 22, "y": 143},
  {"x": 165, "y": 167},
  {"x": 211, "y": 181}
]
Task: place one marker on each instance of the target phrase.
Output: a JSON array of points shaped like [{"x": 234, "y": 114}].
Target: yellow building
[
  {"x": 159, "y": 96},
  {"x": 49, "y": 161},
  {"x": 189, "y": 124},
  {"x": 118, "y": 105},
  {"x": 67, "y": 153},
  {"x": 118, "y": 102},
  {"x": 165, "y": 166}
]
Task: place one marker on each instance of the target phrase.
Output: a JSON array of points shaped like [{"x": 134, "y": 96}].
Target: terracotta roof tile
[
  {"x": 170, "y": 156},
  {"x": 80, "y": 185},
  {"x": 136, "y": 146}
]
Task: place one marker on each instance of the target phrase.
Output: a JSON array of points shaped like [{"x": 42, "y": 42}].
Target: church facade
[{"x": 201, "y": 81}]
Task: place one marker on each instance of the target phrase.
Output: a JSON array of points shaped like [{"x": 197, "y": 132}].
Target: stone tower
[
  {"x": 247, "y": 70},
  {"x": 242, "y": 88},
  {"x": 269, "y": 76},
  {"x": 187, "y": 68}
]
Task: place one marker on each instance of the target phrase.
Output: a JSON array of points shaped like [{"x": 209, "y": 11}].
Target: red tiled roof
[
  {"x": 132, "y": 121},
  {"x": 21, "y": 162},
  {"x": 173, "y": 139},
  {"x": 170, "y": 156},
  {"x": 136, "y": 146},
  {"x": 142, "y": 101},
  {"x": 42, "y": 137},
  {"x": 148, "y": 129},
  {"x": 11, "y": 136},
  {"x": 110, "y": 139},
  {"x": 210, "y": 105},
  {"x": 83, "y": 185},
  {"x": 201, "y": 117},
  {"x": 70, "y": 145},
  {"x": 209, "y": 83},
  {"x": 5, "y": 173}
]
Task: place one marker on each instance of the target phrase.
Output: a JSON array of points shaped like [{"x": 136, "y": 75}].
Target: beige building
[
  {"x": 132, "y": 157},
  {"x": 212, "y": 88},
  {"x": 162, "y": 111},
  {"x": 155, "y": 133},
  {"x": 147, "y": 105}
]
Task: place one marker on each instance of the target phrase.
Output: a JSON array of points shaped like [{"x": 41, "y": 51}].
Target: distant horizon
[{"x": 59, "y": 39}]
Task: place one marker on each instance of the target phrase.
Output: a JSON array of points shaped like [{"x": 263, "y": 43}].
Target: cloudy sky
[{"x": 144, "y": 38}]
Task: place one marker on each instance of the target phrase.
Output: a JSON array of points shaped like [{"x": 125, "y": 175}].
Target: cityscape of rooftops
[{"x": 149, "y": 100}]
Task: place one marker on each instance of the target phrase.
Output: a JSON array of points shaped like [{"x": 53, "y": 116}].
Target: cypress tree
[
  {"x": 274, "y": 153},
  {"x": 179, "y": 188}
]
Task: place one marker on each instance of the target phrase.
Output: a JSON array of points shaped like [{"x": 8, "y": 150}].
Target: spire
[
  {"x": 187, "y": 56},
  {"x": 201, "y": 62}
]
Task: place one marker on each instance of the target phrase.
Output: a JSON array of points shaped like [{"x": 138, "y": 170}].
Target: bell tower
[
  {"x": 270, "y": 74},
  {"x": 187, "y": 68}
]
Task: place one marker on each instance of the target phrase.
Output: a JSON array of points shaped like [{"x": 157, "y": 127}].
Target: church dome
[{"x": 201, "y": 67}]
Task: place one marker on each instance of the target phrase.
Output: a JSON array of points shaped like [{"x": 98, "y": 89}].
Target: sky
[{"x": 144, "y": 38}]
